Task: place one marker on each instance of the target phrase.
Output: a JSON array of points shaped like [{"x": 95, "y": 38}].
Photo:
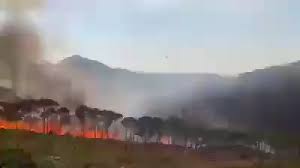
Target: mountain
[
  {"x": 260, "y": 99},
  {"x": 264, "y": 99},
  {"x": 138, "y": 93}
]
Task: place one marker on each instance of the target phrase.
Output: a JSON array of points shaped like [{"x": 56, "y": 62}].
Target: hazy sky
[{"x": 222, "y": 36}]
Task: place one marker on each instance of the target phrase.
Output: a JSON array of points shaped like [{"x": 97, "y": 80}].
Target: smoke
[
  {"x": 22, "y": 56},
  {"x": 20, "y": 44},
  {"x": 20, "y": 49},
  {"x": 21, "y": 5}
]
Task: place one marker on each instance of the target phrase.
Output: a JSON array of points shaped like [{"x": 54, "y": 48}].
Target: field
[{"x": 68, "y": 152}]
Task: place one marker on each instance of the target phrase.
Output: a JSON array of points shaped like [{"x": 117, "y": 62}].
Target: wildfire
[
  {"x": 55, "y": 129},
  {"x": 166, "y": 140}
]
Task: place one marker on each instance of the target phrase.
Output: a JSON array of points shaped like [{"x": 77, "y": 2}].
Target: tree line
[{"x": 147, "y": 128}]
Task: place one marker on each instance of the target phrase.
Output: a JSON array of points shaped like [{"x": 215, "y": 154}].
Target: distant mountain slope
[
  {"x": 265, "y": 99},
  {"x": 258, "y": 99},
  {"x": 137, "y": 93}
]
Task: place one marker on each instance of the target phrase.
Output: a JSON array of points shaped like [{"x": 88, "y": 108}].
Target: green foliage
[
  {"x": 46, "y": 164},
  {"x": 16, "y": 158}
]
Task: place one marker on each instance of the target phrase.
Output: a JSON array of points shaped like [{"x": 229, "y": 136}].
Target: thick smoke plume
[
  {"x": 21, "y": 55},
  {"x": 20, "y": 49},
  {"x": 20, "y": 44}
]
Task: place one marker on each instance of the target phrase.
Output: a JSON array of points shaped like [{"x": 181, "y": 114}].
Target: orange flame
[{"x": 55, "y": 129}]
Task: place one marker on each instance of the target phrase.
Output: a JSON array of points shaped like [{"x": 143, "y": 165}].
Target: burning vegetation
[
  {"x": 46, "y": 116},
  {"x": 64, "y": 112}
]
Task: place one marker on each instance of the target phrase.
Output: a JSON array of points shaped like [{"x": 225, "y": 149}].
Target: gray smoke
[
  {"x": 21, "y": 59},
  {"x": 20, "y": 48}
]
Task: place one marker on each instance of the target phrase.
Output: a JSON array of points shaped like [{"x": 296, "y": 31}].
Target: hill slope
[
  {"x": 65, "y": 152},
  {"x": 136, "y": 93},
  {"x": 265, "y": 99},
  {"x": 254, "y": 99}
]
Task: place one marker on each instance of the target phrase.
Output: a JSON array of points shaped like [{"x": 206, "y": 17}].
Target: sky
[{"x": 215, "y": 36}]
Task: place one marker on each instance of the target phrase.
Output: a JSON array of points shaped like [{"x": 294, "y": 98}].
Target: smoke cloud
[
  {"x": 20, "y": 44},
  {"x": 22, "y": 57}
]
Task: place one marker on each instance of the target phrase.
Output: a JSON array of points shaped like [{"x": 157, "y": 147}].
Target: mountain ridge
[
  {"x": 212, "y": 99},
  {"x": 77, "y": 59},
  {"x": 247, "y": 101}
]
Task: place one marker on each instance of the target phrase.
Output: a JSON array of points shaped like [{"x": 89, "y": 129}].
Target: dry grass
[{"x": 69, "y": 152}]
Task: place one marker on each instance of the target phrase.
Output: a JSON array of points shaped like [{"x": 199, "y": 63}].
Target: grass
[{"x": 68, "y": 152}]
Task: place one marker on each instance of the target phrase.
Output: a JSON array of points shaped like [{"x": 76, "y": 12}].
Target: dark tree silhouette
[
  {"x": 145, "y": 128},
  {"x": 47, "y": 102},
  {"x": 1, "y": 112},
  {"x": 158, "y": 124},
  {"x": 45, "y": 116},
  {"x": 9, "y": 106},
  {"x": 80, "y": 113},
  {"x": 130, "y": 125},
  {"x": 47, "y": 106},
  {"x": 27, "y": 105},
  {"x": 64, "y": 117},
  {"x": 94, "y": 115},
  {"x": 14, "y": 117},
  {"x": 6, "y": 107},
  {"x": 11, "y": 112},
  {"x": 174, "y": 127},
  {"x": 108, "y": 117}
]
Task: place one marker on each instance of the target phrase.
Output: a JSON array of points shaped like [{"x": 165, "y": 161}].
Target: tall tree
[
  {"x": 108, "y": 118},
  {"x": 27, "y": 106},
  {"x": 99, "y": 121},
  {"x": 11, "y": 112},
  {"x": 174, "y": 127},
  {"x": 48, "y": 108},
  {"x": 158, "y": 124},
  {"x": 145, "y": 128},
  {"x": 45, "y": 116},
  {"x": 94, "y": 115},
  {"x": 64, "y": 117},
  {"x": 1, "y": 112},
  {"x": 130, "y": 125},
  {"x": 80, "y": 113},
  {"x": 47, "y": 103}
]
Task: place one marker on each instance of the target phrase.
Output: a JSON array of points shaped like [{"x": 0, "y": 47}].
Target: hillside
[
  {"x": 64, "y": 152},
  {"x": 243, "y": 102},
  {"x": 137, "y": 93},
  {"x": 264, "y": 98}
]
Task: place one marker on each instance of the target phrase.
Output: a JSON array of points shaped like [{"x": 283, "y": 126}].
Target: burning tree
[
  {"x": 131, "y": 126},
  {"x": 48, "y": 108},
  {"x": 80, "y": 113},
  {"x": 94, "y": 116},
  {"x": 11, "y": 112},
  {"x": 145, "y": 128},
  {"x": 64, "y": 117},
  {"x": 108, "y": 117},
  {"x": 158, "y": 124},
  {"x": 31, "y": 120},
  {"x": 174, "y": 127}
]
